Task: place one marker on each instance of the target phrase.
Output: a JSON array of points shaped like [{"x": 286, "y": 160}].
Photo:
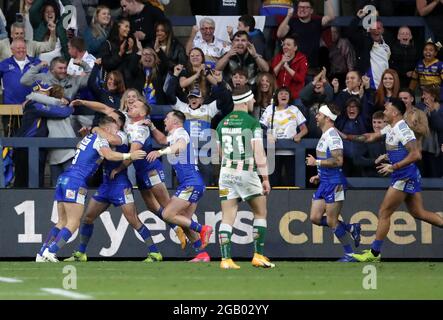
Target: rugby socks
[
  {"x": 224, "y": 238},
  {"x": 61, "y": 239},
  {"x": 347, "y": 226},
  {"x": 376, "y": 247},
  {"x": 196, "y": 245},
  {"x": 51, "y": 236},
  {"x": 259, "y": 232},
  {"x": 343, "y": 237},
  {"x": 324, "y": 222},
  {"x": 85, "y": 234},
  {"x": 146, "y": 236},
  {"x": 197, "y": 227}
]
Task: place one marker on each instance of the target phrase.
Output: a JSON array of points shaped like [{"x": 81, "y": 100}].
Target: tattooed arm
[{"x": 335, "y": 161}]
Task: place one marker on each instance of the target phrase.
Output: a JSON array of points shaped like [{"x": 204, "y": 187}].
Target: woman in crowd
[
  {"x": 387, "y": 89},
  {"x": 167, "y": 46},
  {"x": 98, "y": 31},
  {"x": 266, "y": 85}
]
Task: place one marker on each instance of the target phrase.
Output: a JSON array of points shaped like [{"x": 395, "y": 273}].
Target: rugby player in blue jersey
[
  {"x": 327, "y": 201},
  {"x": 402, "y": 153},
  {"x": 116, "y": 191},
  {"x": 71, "y": 189},
  {"x": 183, "y": 158}
]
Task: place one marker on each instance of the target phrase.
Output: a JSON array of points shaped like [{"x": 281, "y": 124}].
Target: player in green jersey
[{"x": 240, "y": 140}]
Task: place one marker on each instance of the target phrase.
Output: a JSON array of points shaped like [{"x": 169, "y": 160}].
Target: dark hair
[
  {"x": 241, "y": 33},
  {"x": 241, "y": 71},
  {"x": 119, "y": 81},
  {"x": 78, "y": 43},
  {"x": 433, "y": 90},
  {"x": 292, "y": 36},
  {"x": 409, "y": 91},
  {"x": 334, "y": 108},
  {"x": 248, "y": 21},
  {"x": 283, "y": 88},
  {"x": 310, "y": 2},
  {"x": 398, "y": 104},
  {"x": 121, "y": 116},
  {"x": 54, "y": 5},
  {"x": 114, "y": 34},
  {"x": 179, "y": 115},
  {"x": 378, "y": 115},
  {"x": 354, "y": 100},
  {"x": 106, "y": 120},
  {"x": 169, "y": 33}
]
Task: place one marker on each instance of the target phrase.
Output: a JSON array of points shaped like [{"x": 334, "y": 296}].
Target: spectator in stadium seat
[
  {"x": 282, "y": 120},
  {"x": 432, "y": 155},
  {"x": 356, "y": 120},
  {"x": 368, "y": 153},
  {"x": 196, "y": 75},
  {"x": 109, "y": 92},
  {"x": 167, "y": 46},
  {"x": 57, "y": 75},
  {"x": 98, "y": 31},
  {"x": 34, "y": 124},
  {"x": 142, "y": 16},
  {"x": 147, "y": 73},
  {"x": 388, "y": 88},
  {"x": 429, "y": 70},
  {"x": 59, "y": 159},
  {"x": 432, "y": 11},
  {"x": 373, "y": 52},
  {"x": 247, "y": 23},
  {"x": 41, "y": 14},
  {"x": 18, "y": 11},
  {"x": 266, "y": 86},
  {"x": 341, "y": 56},
  {"x": 313, "y": 95},
  {"x": 308, "y": 29},
  {"x": 33, "y": 48},
  {"x": 11, "y": 70},
  {"x": 404, "y": 55},
  {"x": 212, "y": 47},
  {"x": 354, "y": 88},
  {"x": 115, "y": 51},
  {"x": 290, "y": 68},
  {"x": 242, "y": 55},
  {"x": 199, "y": 114}
]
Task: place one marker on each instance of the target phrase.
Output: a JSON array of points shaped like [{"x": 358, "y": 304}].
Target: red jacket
[{"x": 300, "y": 65}]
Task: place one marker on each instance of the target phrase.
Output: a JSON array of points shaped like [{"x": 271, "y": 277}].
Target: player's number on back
[{"x": 228, "y": 146}]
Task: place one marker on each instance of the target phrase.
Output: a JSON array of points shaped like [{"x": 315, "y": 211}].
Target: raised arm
[
  {"x": 424, "y": 8},
  {"x": 283, "y": 28},
  {"x": 190, "y": 42},
  {"x": 33, "y": 74},
  {"x": 93, "y": 105},
  {"x": 330, "y": 13}
]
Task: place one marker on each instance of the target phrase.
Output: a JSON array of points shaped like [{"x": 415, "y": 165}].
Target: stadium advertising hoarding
[{"x": 26, "y": 216}]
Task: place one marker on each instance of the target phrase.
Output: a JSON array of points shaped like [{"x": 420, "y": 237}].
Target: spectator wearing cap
[
  {"x": 213, "y": 48},
  {"x": 33, "y": 48},
  {"x": 242, "y": 55},
  {"x": 199, "y": 115},
  {"x": 11, "y": 70},
  {"x": 34, "y": 124}
]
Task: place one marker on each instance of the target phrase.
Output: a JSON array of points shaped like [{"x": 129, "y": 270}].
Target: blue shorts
[
  {"x": 330, "y": 192},
  {"x": 70, "y": 189},
  {"x": 408, "y": 185},
  {"x": 115, "y": 194},
  {"x": 151, "y": 177},
  {"x": 190, "y": 193}
]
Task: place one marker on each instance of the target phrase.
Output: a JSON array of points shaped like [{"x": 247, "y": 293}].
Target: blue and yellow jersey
[{"x": 429, "y": 73}]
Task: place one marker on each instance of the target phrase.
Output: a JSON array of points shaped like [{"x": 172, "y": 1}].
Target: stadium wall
[{"x": 26, "y": 217}]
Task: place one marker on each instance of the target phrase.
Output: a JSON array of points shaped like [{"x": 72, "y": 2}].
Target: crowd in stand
[{"x": 115, "y": 52}]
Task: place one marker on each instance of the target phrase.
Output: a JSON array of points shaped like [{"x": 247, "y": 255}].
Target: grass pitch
[{"x": 181, "y": 280}]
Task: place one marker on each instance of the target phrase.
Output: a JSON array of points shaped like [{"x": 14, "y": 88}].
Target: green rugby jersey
[{"x": 235, "y": 133}]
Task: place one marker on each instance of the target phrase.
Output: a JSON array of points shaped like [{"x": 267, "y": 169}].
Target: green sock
[{"x": 259, "y": 235}]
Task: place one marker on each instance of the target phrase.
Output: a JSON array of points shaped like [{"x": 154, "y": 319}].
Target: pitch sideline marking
[
  {"x": 66, "y": 293},
  {"x": 10, "y": 280}
]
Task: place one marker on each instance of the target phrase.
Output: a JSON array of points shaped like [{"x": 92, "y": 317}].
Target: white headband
[
  {"x": 243, "y": 97},
  {"x": 324, "y": 109}
]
